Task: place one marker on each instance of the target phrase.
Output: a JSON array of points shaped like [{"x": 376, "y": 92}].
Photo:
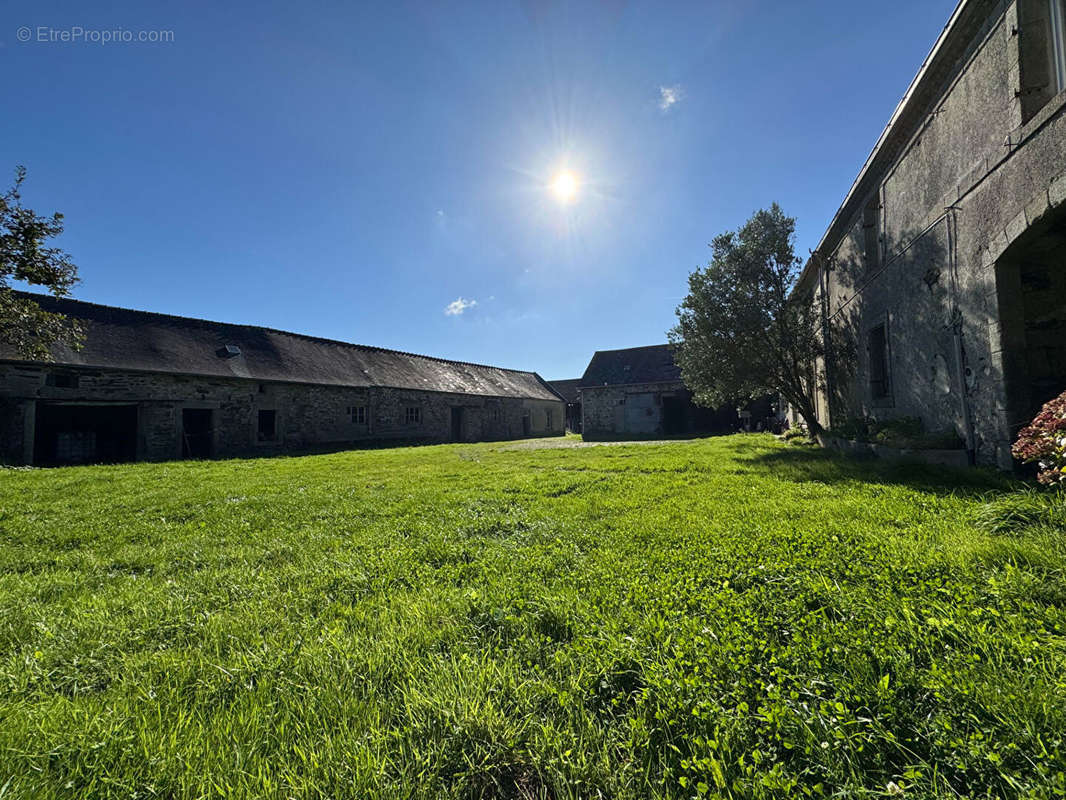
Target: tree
[
  {"x": 742, "y": 331},
  {"x": 24, "y": 257}
]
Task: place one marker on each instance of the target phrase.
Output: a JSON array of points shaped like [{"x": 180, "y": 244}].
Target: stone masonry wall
[
  {"x": 603, "y": 409},
  {"x": 306, "y": 415},
  {"x": 972, "y": 180}
]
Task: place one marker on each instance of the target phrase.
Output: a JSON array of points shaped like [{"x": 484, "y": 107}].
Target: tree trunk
[{"x": 814, "y": 427}]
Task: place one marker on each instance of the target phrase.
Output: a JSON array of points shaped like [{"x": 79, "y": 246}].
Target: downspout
[
  {"x": 827, "y": 352},
  {"x": 956, "y": 328}
]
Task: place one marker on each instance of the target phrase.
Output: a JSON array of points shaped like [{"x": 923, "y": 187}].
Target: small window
[
  {"x": 61, "y": 380},
  {"x": 871, "y": 231},
  {"x": 496, "y": 414},
  {"x": 877, "y": 346},
  {"x": 548, "y": 420},
  {"x": 267, "y": 424},
  {"x": 357, "y": 414},
  {"x": 412, "y": 415},
  {"x": 1041, "y": 33},
  {"x": 1058, "y": 43},
  {"x": 262, "y": 388}
]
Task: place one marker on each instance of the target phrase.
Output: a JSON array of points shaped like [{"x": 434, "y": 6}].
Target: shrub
[
  {"x": 1043, "y": 442},
  {"x": 795, "y": 432}
]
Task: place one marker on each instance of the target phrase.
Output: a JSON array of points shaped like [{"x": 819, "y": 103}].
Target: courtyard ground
[{"x": 724, "y": 617}]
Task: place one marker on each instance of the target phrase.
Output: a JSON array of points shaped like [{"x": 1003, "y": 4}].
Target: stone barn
[
  {"x": 154, "y": 387},
  {"x": 639, "y": 392},
  {"x": 944, "y": 270}
]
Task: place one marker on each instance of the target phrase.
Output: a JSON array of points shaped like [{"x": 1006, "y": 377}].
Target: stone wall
[
  {"x": 604, "y": 409},
  {"x": 648, "y": 409},
  {"x": 972, "y": 179},
  {"x": 306, "y": 416}
]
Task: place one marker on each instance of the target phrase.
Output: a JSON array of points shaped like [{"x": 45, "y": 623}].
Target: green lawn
[{"x": 730, "y": 617}]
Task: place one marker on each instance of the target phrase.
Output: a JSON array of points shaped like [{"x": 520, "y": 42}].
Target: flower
[{"x": 1043, "y": 442}]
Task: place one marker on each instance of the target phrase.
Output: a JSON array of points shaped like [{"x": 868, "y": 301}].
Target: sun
[{"x": 564, "y": 186}]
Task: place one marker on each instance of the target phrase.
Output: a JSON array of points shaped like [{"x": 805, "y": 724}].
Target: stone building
[
  {"x": 639, "y": 392},
  {"x": 155, "y": 387},
  {"x": 944, "y": 271},
  {"x": 569, "y": 390}
]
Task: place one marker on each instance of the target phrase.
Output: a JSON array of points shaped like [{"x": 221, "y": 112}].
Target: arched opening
[{"x": 1031, "y": 289}]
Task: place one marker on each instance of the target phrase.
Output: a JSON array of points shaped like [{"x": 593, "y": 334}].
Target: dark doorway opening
[
  {"x": 457, "y": 424},
  {"x": 674, "y": 415},
  {"x": 1031, "y": 283},
  {"x": 198, "y": 433},
  {"x": 84, "y": 434},
  {"x": 527, "y": 427},
  {"x": 267, "y": 427}
]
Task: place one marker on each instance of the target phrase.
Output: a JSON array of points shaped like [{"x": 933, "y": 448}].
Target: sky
[{"x": 388, "y": 173}]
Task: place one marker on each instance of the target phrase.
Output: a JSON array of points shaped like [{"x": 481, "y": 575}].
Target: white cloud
[
  {"x": 457, "y": 307},
  {"x": 669, "y": 96}
]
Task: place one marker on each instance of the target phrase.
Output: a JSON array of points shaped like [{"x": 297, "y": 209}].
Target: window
[
  {"x": 548, "y": 420},
  {"x": 877, "y": 347},
  {"x": 267, "y": 424},
  {"x": 1058, "y": 43},
  {"x": 412, "y": 415},
  {"x": 61, "y": 380},
  {"x": 357, "y": 414},
  {"x": 871, "y": 230},
  {"x": 1041, "y": 53}
]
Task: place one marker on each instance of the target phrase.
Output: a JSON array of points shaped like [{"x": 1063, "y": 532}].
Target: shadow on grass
[{"x": 803, "y": 463}]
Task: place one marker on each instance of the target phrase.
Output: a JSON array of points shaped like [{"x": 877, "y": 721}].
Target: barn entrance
[
  {"x": 674, "y": 421},
  {"x": 197, "y": 433},
  {"x": 1031, "y": 284},
  {"x": 84, "y": 434},
  {"x": 641, "y": 415},
  {"x": 457, "y": 424}
]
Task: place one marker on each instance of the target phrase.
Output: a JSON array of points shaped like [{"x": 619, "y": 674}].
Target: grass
[{"x": 729, "y": 617}]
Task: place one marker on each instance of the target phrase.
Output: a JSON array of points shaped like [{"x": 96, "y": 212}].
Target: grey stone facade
[
  {"x": 70, "y": 412},
  {"x": 943, "y": 270},
  {"x": 307, "y": 416},
  {"x": 632, "y": 410},
  {"x": 639, "y": 392}
]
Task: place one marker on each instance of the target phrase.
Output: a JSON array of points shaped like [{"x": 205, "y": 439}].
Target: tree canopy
[
  {"x": 26, "y": 257},
  {"x": 742, "y": 331}
]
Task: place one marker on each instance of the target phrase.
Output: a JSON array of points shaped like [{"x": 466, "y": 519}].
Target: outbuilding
[{"x": 151, "y": 386}]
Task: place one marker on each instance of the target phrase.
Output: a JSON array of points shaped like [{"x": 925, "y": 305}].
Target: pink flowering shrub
[{"x": 1043, "y": 442}]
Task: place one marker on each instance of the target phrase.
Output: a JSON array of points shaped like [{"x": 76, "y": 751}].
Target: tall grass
[{"x": 728, "y": 617}]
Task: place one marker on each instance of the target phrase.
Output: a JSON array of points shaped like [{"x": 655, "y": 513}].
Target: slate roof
[
  {"x": 121, "y": 338},
  {"x": 654, "y": 364},
  {"x": 567, "y": 389}
]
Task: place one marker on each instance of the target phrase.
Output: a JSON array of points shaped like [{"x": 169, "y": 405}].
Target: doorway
[
  {"x": 674, "y": 417},
  {"x": 1031, "y": 282},
  {"x": 197, "y": 433},
  {"x": 457, "y": 424},
  {"x": 84, "y": 434}
]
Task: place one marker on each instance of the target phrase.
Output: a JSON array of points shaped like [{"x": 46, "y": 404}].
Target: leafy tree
[
  {"x": 24, "y": 256},
  {"x": 741, "y": 332}
]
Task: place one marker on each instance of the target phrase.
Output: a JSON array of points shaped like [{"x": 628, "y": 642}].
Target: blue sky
[{"x": 353, "y": 170}]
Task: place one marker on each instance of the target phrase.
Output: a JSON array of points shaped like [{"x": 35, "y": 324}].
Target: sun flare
[{"x": 564, "y": 186}]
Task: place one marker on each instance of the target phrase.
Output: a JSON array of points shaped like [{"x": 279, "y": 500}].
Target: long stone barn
[
  {"x": 155, "y": 387},
  {"x": 945, "y": 268}
]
